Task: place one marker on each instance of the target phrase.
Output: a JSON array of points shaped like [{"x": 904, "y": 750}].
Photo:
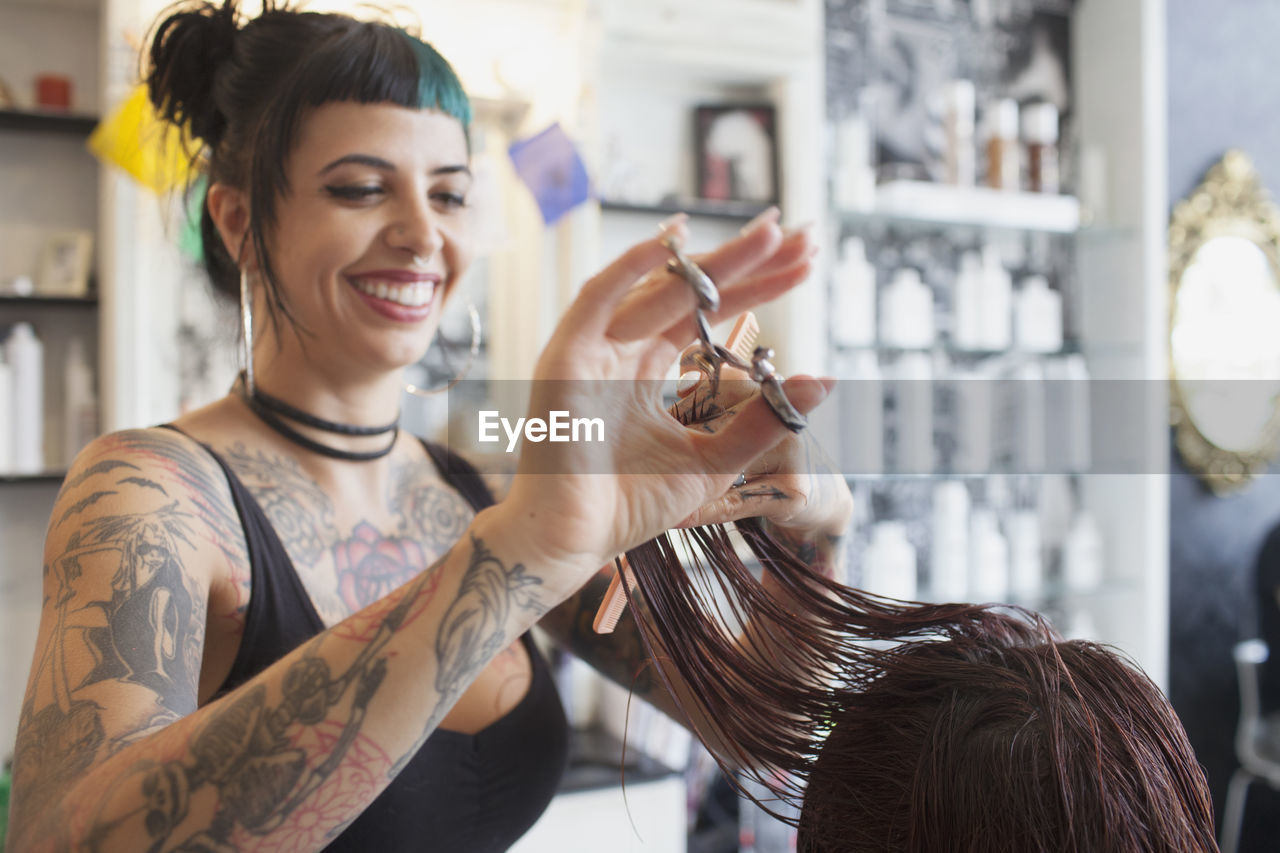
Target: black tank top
[{"x": 464, "y": 793}]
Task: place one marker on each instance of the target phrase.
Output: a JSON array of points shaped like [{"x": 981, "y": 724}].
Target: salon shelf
[
  {"x": 47, "y": 122},
  {"x": 733, "y": 211},
  {"x": 47, "y": 477},
  {"x": 48, "y": 301},
  {"x": 924, "y": 203}
]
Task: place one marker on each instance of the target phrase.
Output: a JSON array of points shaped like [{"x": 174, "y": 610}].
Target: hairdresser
[{"x": 280, "y": 623}]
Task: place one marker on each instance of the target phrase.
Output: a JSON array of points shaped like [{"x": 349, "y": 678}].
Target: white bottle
[
  {"x": 996, "y": 301},
  {"x": 967, "y": 304},
  {"x": 854, "y": 297},
  {"x": 988, "y": 558},
  {"x": 80, "y": 414},
  {"x": 961, "y": 155},
  {"x": 974, "y": 412},
  {"x": 907, "y": 312},
  {"x": 1068, "y": 415},
  {"x": 1004, "y": 155},
  {"x": 6, "y": 420},
  {"x": 1082, "y": 554},
  {"x": 1040, "y": 132},
  {"x": 1037, "y": 316},
  {"x": 949, "y": 563},
  {"x": 1026, "y": 561},
  {"x": 1028, "y": 440},
  {"x": 913, "y": 423},
  {"x": 889, "y": 566},
  {"x": 26, "y": 357},
  {"x": 861, "y": 400},
  {"x": 855, "y": 178}
]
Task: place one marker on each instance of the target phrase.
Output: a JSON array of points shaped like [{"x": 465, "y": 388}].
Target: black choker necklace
[{"x": 268, "y": 409}]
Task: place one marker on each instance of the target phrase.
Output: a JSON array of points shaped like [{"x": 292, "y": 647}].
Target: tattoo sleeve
[{"x": 288, "y": 759}]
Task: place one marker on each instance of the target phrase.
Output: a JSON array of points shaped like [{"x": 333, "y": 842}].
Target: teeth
[{"x": 408, "y": 295}]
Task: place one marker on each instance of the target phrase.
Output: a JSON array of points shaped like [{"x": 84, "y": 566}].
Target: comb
[
  {"x": 615, "y": 600},
  {"x": 741, "y": 342}
]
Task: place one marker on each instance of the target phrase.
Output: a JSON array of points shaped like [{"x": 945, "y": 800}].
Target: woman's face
[{"x": 373, "y": 232}]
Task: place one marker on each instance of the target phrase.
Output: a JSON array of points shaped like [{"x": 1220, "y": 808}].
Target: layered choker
[{"x": 269, "y": 410}]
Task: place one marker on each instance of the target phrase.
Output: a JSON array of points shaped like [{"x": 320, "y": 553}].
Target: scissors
[{"x": 712, "y": 357}]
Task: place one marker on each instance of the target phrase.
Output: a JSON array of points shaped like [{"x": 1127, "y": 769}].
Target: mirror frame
[{"x": 1230, "y": 201}]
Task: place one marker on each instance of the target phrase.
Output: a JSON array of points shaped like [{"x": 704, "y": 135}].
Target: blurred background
[{"x": 1049, "y": 272}]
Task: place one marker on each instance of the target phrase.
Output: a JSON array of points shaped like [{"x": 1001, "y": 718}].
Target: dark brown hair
[
  {"x": 898, "y": 726},
  {"x": 243, "y": 86}
]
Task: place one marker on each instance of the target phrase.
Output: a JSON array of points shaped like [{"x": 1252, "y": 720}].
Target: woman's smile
[{"x": 400, "y": 295}]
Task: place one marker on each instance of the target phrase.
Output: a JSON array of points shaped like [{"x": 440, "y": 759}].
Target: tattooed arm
[{"x": 114, "y": 752}]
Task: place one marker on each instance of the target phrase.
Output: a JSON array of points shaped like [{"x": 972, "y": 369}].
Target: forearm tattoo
[{"x": 474, "y": 627}]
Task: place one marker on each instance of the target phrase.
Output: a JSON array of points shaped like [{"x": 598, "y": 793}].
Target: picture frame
[
  {"x": 736, "y": 151},
  {"x": 64, "y": 264}
]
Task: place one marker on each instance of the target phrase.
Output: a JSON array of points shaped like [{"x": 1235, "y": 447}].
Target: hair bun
[{"x": 189, "y": 48}]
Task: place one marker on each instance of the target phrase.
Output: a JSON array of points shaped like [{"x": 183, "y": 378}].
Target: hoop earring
[
  {"x": 472, "y": 351},
  {"x": 246, "y": 330}
]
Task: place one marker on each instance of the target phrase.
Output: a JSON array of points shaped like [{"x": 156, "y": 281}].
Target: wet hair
[
  {"x": 244, "y": 86},
  {"x": 900, "y": 726}
]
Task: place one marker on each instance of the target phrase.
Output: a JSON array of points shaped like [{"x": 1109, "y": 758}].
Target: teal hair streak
[{"x": 438, "y": 85}]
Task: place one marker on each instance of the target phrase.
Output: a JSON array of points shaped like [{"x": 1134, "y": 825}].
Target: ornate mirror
[{"x": 1224, "y": 334}]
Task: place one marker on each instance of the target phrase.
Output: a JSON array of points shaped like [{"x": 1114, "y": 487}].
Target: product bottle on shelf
[
  {"x": 6, "y": 409},
  {"x": 988, "y": 557},
  {"x": 889, "y": 563},
  {"x": 1004, "y": 156},
  {"x": 1068, "y": 415},
  {"x": 1040, "y": 132},
  {"x": 854, "y": 283},
  {"x": 1026, "y": 563},
  {"x": 996, "y": 301},
  {"x": 966, "y": 304},
  {"x": 1037, "y": 316},
  {"x": 1027, "y": 388},
  {"x": 906, "y": 320},
  {"x": 1082, "y": 554},
  {"x": 855, "y": 178},
  {"x": 913, "y": 421},
  {"x": 949, "y": 550},
  {"x": 80, "y": 415},
  {"x": 861, "y": 400},
  {"x": 973, "y": 413},
  {"x": 960, "y": 152},
  {"x": 26, "y": 358}
]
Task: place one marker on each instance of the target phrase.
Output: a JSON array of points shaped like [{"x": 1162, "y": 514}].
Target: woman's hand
[
  {"x": 582, "y": 502},
  {"x": 793, "y": 486}
]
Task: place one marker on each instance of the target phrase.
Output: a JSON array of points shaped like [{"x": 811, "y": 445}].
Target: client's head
[{"x": 982, "y": 744}]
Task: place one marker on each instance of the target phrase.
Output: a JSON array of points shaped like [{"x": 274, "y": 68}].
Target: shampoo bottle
[
  {"x": 907, "y": 321},
  {"x": 1082, "y": 554},
  {"x": 861, "y": 401},
  {"x": 960, "y": 154},
  {"x": 1026, "y": 564},
  {"x": 989, "y": 558},
  {"x": 1037, "y": 316},
  {"x": 854, "y": 284},
  {"x": 966, "y": 306},
  {"x": 1004, "y": 157},
  {"x": 949, "y": 563},
  {"x": 996, "y": 301},
  {"x": 26, "y": 357},
  {"x": 6, "y": 410},
  {"x": 913, "y": 375}
]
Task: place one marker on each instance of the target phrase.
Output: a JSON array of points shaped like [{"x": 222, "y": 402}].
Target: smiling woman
[{"x": 279, "y": 622}]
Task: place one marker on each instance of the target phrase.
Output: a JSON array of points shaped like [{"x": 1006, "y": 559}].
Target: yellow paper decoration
[{"x": 135, "y": 138}]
